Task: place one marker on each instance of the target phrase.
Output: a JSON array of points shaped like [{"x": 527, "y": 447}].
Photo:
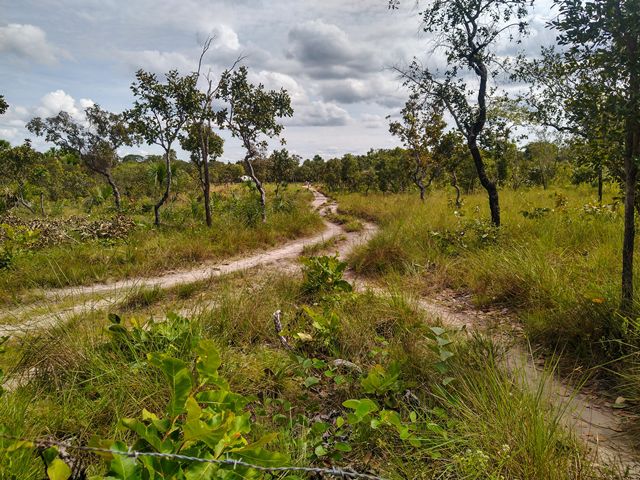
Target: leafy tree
[
  {"x": 283, "y": 168},
  {"x": 95, "y": 142},
  {"x": 200, "y": 140},
  {"x": 450, "y": 154},
  {"x": 160, "y": 111},
  {"x": 204, "y": 145},
  {"x": 252, "y": 112},
  {"x": 311, "y": 169},
  {"x": 18, "y": 167},
  {"x": 420, "y": 131},
  {"x": 566, "y": 99},
  {"x": 543, "y": 155},
  {"x": 467, "y": 33},
  {"x": 4, "y": 106},
  {"x": 597, "y": 77}
]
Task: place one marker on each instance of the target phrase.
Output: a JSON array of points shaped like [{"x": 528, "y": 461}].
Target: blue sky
[{"x": 333, "y": 56}]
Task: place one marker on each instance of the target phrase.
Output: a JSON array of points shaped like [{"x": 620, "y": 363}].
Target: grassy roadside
[
  {"x": 440, "y": 415},
  {"x": 552, "y": 262},
  {"x": 182, "y": 242}
]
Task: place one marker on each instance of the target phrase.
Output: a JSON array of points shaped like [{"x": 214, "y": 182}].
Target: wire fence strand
[{"x": 333, "y": 471}]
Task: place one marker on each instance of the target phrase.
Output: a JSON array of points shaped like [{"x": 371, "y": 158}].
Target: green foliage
[
  {"x": 15, "y": 241},
  {"x": 4, "y": 106},
  {"x": 326, "y": 324},
  {"x": 175, "y": 335},
  {"x": 537, "y": 212},
  {"x": 381, "y": 381},
  {"x": 203, "y": 419},
  {"x": 323, "y": 275}
]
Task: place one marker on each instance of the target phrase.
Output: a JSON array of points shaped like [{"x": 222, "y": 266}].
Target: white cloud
[
  {"x": 60, "y": 101},
  {"x": 28, "y": 42},
  {"x": 276, "y": 81},
  {"x": 226, "y": 37},
  {"x": 157, "y": 61},
  {"x": 318, "y": 113}
]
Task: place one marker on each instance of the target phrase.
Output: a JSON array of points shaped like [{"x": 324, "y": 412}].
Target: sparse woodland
[{"x": 176, "y": 316}]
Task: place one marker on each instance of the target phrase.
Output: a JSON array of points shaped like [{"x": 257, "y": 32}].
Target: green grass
[
  {"x": 182, "y": 242},
  {"x": 479, "y": 426},
  {"x": 557, "y": 265}
]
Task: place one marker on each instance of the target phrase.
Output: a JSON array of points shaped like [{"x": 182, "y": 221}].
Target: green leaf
[
  {"x": 437, "y": 330},
  {"x": 125, "y": 468},
  {"x": 445, "y": 355},
  {"x": 209, "y": 361},
  {"x": 114, "y": 318},
  {"x": 343, "y": 447},
  {"x": 311, "y": 381},
  {"x": 447, "y": 381},
  {"x": 179, "y": 378},
  {"x": 362, "y": 407},
  {"x": 58, "y": 470},
  {"x": 320, "y": 451},
  {"x": 201, "y": 471},
  {"x": 150, "y": 435}
]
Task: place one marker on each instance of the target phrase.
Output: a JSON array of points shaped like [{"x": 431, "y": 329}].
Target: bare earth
[{"x": 591, "y": 417}]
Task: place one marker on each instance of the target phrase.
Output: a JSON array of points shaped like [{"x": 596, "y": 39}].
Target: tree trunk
[
  {"x": 454, "y": 183},
  {"x": 167, "y": 191},
  {"x": 489, "y": 186},
  {"x": 114, "y": 188},
  {"x": 631, "y": 153},
  {"x": 263, "y": 195},
  {"x": 206, "y": 190},
  {"x": 422, "y": 189},
  {"x": 631, "y": 173},
  {"x": 600, "y": 185},
  {"x": 44, "y": 214}
]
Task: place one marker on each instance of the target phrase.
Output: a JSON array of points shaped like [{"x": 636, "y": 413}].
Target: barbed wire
[{"x": 336, "y": 472}]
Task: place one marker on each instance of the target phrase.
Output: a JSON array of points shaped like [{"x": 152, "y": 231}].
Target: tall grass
[
  {"x": 182, "y": 242},
  {"x": 84, "y": 380},
  {"x": 556, "y": 261}
]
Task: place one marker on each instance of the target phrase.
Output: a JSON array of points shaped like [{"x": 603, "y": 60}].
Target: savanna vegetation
[{"x": 525, "y": 203}]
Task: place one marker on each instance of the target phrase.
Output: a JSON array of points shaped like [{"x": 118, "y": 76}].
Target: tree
[
  {"x": 252, "y": 112},
  {"x": 282, "y": 168},
  {"x": 543, "y": 155},
  {"x": 4, "y": 106},
  {"x": 566, "y": 99},
  {"x": 467, "y": 33},
  {"x": 204, "y": 145},
  {"x": 19, "y": 166},
  {"x": 420, "y": 131},
  {"x": 159, "y": 113},
  {"x": 450, "y": 153},
  {"x": 95, "y": 141},
  {"x": 598, "y": 75}
]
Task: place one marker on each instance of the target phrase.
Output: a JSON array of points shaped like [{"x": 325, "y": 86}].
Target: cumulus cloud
[
  {"x": 378, "y": 89},
  {"x": 226, "y": 37},
  {"x": 325, "y": 51},
  {"x": 276, "y": 80},
  {"x": 28, "y": 42},
  {"x": 320, "y": 114},
  {"x": 13, "y": 122},
  {"x": 60, "y": 101}
]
